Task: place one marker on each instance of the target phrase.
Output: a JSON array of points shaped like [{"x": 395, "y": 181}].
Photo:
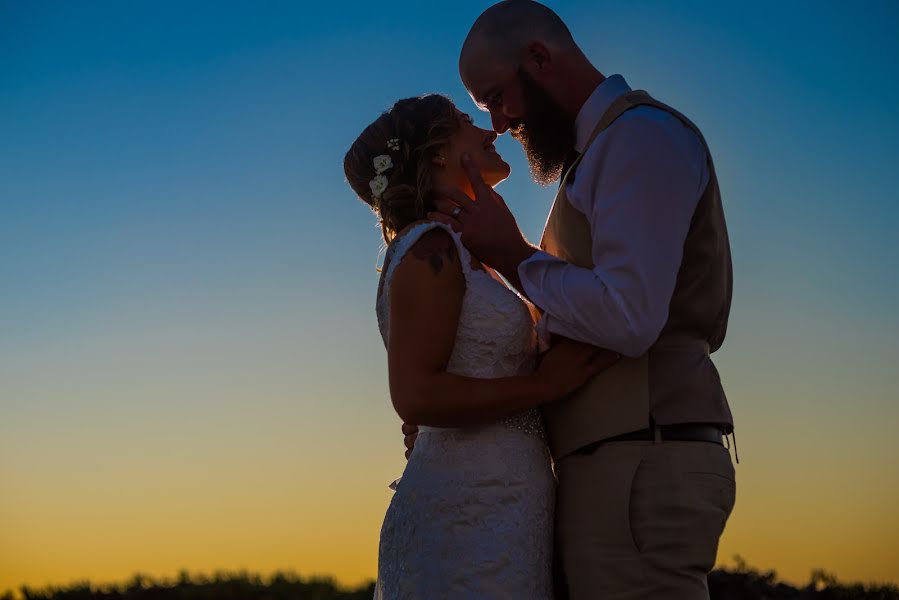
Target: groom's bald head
[
  {"x": 520, "y": 63},
  {"x": 501, "y": 35}
]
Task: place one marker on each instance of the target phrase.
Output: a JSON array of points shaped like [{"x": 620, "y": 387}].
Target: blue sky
[{"x": 182, "y": 259}]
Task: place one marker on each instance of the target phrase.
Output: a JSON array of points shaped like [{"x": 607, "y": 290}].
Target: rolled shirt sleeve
[{"x": 638, "y": 185}]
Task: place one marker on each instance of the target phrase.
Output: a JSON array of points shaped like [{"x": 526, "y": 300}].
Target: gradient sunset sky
[{"x": 191, "y": 374}]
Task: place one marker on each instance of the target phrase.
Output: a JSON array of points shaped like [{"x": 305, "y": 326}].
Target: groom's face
[{"x": 519, "y": 104}]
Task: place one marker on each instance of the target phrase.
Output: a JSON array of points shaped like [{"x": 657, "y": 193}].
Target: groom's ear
[{"x": 537, "y": 56}]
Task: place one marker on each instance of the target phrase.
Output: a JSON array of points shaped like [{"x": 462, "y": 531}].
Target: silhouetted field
[{"x": 739, "y": 583}]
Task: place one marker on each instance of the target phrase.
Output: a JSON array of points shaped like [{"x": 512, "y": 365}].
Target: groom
[{"x": 634, "y": 258}]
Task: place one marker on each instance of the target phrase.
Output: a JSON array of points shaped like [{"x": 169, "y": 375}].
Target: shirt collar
[{"x": 596, "y": 105}]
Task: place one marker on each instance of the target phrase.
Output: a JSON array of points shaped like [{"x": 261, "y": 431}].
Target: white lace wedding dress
[{"x": 472, "y": 516}]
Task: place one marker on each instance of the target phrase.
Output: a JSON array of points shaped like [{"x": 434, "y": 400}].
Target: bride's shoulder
[
  {"x": 422, "y": 236},
  {"x": 425, "y": 247},
  {"x": 426, "y": 239},
  {"x": 426, "y": 236},
  {"x": 418, "y": 228}
]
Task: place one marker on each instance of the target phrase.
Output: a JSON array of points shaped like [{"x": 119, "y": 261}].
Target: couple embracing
[{"x": 564, "y": 420}]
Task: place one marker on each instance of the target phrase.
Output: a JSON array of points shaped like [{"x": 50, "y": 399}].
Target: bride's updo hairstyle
[{"x": 411, "y": 133}]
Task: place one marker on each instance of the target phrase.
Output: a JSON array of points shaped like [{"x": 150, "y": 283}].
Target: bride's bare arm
[{"x": 425, "y": 303}]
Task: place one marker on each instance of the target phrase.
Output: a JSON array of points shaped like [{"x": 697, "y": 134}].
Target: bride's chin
[
  {"x": 496, "y": 173},
  {"x": 494, "y": 179}
]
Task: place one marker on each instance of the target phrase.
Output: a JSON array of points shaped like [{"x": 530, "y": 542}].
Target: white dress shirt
[{"x": 638, "y": 185}]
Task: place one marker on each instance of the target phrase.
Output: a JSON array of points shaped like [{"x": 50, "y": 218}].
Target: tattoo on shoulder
[{"x": 435, "y": 247}]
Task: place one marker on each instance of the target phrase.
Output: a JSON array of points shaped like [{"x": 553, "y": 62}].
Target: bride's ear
[{"x": 438, "y": 161}]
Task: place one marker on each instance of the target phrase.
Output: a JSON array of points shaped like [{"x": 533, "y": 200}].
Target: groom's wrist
[
  {"x": 512, "y": 259},
  {"x": 515, "y": 256}
]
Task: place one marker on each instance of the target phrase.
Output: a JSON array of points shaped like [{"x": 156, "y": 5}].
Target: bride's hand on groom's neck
[{"x": 486, "y": 225}]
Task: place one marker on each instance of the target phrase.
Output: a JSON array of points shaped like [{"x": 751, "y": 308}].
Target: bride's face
[{"x": 478, "y": 144}]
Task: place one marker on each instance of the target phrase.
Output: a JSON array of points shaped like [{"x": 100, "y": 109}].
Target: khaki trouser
[{"x": 641, "y": 520}]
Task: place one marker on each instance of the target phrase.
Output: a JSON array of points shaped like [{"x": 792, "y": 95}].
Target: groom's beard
[{"x": 546, "y": 133}]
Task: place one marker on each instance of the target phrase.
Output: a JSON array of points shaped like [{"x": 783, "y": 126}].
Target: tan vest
[{"x": 675, "y": 381}]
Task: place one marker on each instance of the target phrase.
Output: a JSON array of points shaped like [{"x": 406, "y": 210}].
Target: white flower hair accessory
[
  {"x": 378, "y": 185},
  {"x": 382, "y": 163}
]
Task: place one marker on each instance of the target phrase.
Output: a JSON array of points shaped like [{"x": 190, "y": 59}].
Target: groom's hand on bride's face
[
  {"x": 486, "y": 224},
  {"x": 411, "y": 433}
]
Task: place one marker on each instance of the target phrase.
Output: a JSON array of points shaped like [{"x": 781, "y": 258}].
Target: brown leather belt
[{"x": 682, "y": 432}]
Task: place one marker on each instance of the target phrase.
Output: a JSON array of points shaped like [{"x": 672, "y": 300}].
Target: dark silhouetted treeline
[
  {"x": 745, "y": 583},
  {"x": 739, "y": 583},
  {"x": 220, "y": 586}
]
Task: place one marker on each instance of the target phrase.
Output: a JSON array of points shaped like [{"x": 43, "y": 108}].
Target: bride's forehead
[{"x": 464, "y": 118}]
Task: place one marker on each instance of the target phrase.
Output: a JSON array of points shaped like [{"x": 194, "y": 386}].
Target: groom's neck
[{"x": 582, "y": 78}]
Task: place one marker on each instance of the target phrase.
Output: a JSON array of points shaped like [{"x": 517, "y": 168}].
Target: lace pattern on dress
[
  {"x": 472, "y": 516},
  {"x": 495, "y": 336}
]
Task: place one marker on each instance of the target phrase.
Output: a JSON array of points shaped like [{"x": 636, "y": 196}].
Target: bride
[{"x": 472, "y": 515}]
